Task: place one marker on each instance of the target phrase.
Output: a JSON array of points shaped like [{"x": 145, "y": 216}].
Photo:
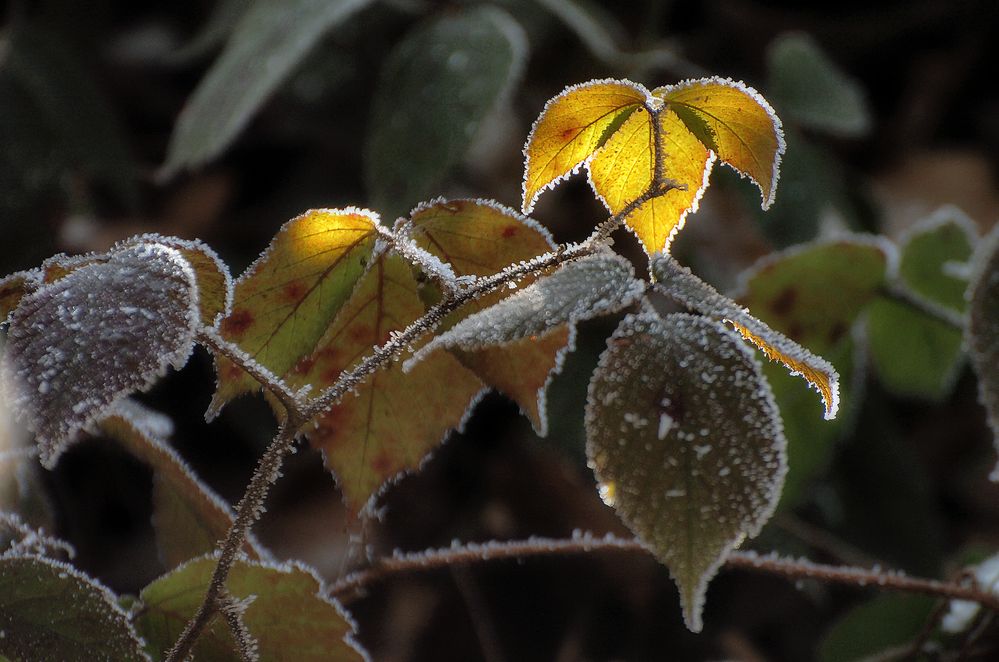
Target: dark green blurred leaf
[
  {"x": 983, "y": 328},
  {"x": 686, "y": 442},
  {"x": 267, "y": 44},
  {"x": 51, "y": 611},
  {"x": 436, "y": 89},
  {"x": 810, "y": 89},
  {"x": 220, "y": 24},
  {"x": 885, "y": 622}
]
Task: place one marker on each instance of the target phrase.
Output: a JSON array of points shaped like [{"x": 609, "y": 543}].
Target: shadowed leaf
[
  {"x": 51, "y": 611},
  {"x": 982, "y": 333},
  {"x": 878, "y": 625},
  {"x": 686, "y": 440},
  {"x": 391, "y": 422},
  {"x": 571, "y": 128},
  {"x": 437, "y": 87},
  {"x": 288, "y": 617},
  {"x": 286, "y": 299},
  {"x": 479, "y": 238},
  {"x": 77, "y": 346}
]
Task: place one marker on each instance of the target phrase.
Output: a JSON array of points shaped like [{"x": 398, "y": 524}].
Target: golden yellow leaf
[
  {"x": 735, "y": 122},
  {"x": 571, "y": 127},
  {"x": 394, "y": 419},
  {"x": 286, "y": 299}
]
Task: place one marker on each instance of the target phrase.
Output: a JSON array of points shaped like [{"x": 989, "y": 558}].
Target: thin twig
[{"x": 772, "y": 564}]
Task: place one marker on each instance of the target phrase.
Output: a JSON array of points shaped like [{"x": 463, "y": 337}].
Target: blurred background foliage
[{"x": 221, "y": 120}]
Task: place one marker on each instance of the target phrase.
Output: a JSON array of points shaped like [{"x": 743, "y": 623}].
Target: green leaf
[
  {"x": 917, "y": 355},
  {"x": 982, "y": 333},
  {"x": 686, "y": 442},
  {"x": 810, "y": 89},
  {"x": 436, "y": 89},
  {"x": 51, "y": 611},
  {"x": 882, "y": 623},
  {"x": 289, "y": 617},
  {"x": 269, "y": 41}
]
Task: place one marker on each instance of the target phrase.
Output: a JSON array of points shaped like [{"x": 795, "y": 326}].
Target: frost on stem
[{"x": 107, "y": 329}]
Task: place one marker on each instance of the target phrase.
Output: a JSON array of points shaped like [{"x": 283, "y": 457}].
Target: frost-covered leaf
[
  {"x": 286, "y": 299},
  {"x": 625, "y": 167},
  {"x": 288, "y": 616},
  {"x": 881, "y": 624},
  {"x": 808, "y": 86},
  {"x": 595, "y": 285},
  {"x": 436, "y": 88},
  {"x": 915, "y": 354},
  {"x": 14, "y": 287},
  {"x": 189, "y": 518},
  {"x": 392, "y": 421},
  {"x": 571, "y": 128},
  {"x": 266, "y": 45},
  {"x": 983, "y": 328},
  {"x": 686, "y": 441},
  {"x": 735, "y": 122},
  {"x": 80, "y": 344},
  {"x": 678, "y": 283},
  {"x": 51, "y": 611},
  {"x": 481, "y": 238}
]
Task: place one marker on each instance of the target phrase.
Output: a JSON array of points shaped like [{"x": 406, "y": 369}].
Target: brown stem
[{"x": 789, "y": 568}]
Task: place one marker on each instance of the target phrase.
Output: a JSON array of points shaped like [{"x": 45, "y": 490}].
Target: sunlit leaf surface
[
  {"x": 107, "y": 329},
  {"x": 394, "y": 419},
  {"x": 288, "y": 617},
  {"x": 286, "y": 299},
  {"x": 51, "y": 611},
  {"x": 686, "y": 442},
  {"x": 479, "y": 238}
]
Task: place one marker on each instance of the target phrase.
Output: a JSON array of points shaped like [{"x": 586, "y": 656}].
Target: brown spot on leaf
[
  {"x": 293, "y": 292},
  {"x": 570, "y": 133},
  {"x": 237, "y": 323},
  {"x": 382, "y": 463},
  {"x": 784, "y": 302},
  {"x": 509, "y": 231},
  {"x": 360, "y": 333}
]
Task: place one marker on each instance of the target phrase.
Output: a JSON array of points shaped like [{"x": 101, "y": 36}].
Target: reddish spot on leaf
[
  {"x": 784, "y": 302},
  {"x": 509, "y": 231},
  {"x": 382, "y": 463},
  {"x": 232, "y": 371},
  {"x": 294, "y": 291},
  {"x": 360, "y": 333},
  {"x": 237, "y": 323},
  {"x": 304, "y": 365}
]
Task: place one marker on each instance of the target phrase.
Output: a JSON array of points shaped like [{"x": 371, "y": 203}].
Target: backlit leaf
[
  {"x": 14, "y": 287},
  {"x": 80, "y": 344},
  {"x": 189, "y": 518},
  {"x": 917, "y": 355},
  {"x": 571, "y": 128},
  {"x": 480, "y": 238},
  {"x": 595, "y": 285},
  {"x": 268, "y": 42},
  {"x": 51, "y": 611},
  {"x": 624, "y": 169},
  {"x": 686, "y": 442},
  {"x": 735, "y": 122},
  {"x": 392, "y": 421},
  {"x": 437, "y": 87},
  {"x": 289, "y": 617},
  {"x": 286, "y": 299},
  {"x": 677, "y": 282},
  {"x": 982, "y": 333}
]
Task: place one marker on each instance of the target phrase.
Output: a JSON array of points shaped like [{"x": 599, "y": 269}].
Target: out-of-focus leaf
[
  {"x": 268, "y": 42},
  {"x": 982, "y": 332},
  {"x": 14, "y": 287},
  {"x": 214, "y": 32},
  {"x": 677, "y": 282},
  {"x": 71, "y": 105},
  {"x": 686, "y": 441},
  {"x": 51, "y": 611},
  {"x": 436, "y": 88},
  {"x": 289, "y": 617},
  {"x": 189, "y": 518},
  {"x": 736, "y": 123},
  {"x": 809, "y": 87},
  {"x": 286, "y": 299},
  {"x": 480, "y": 238},
  {"x": 80, "y": 344},
  {"x": 595, "y": 285},
  {"x": 392, "y": 421},
  {"x": 571, "y": 127},
  {"x": 917, "y": 355},
  {"x": 880, "y": 624}
]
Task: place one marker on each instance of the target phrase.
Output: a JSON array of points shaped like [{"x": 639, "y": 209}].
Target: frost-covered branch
[{"x": 795, "y": 569}]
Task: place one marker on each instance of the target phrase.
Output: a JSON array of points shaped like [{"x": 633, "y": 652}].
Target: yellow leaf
[
  {"x": 394, "y": 419},
  {"x": 480, "y": 238},
  {"x": 286, "y": 299},
  {"x": 14, "y": 287},
  {"x": 624, "y": 169},
  {"x": 571, "y": 127},
  {"x": 736, "y": 122}
]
